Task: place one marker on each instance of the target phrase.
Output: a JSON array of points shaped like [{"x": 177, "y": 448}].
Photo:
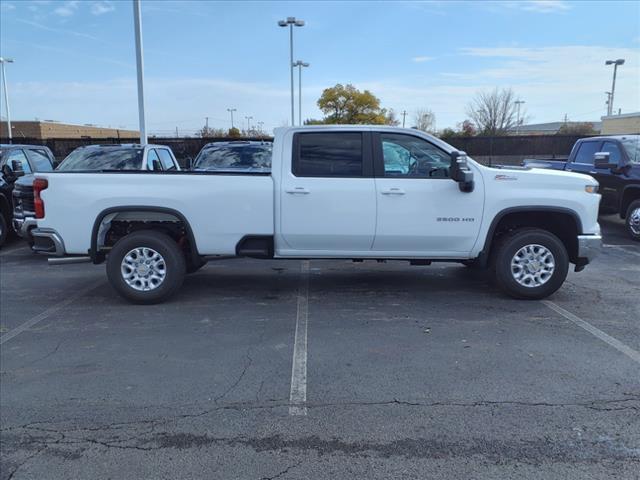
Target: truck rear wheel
[
  {"x": 146, "y": 267},
  {"x": 633, "y": 220},
  {"x": 530, "y": 263}
]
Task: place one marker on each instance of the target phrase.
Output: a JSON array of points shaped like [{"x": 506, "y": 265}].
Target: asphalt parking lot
[{"x": 321, "y": 369}]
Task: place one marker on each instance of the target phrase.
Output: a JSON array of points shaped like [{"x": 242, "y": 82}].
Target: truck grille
[{"x": 23, "y": 199}]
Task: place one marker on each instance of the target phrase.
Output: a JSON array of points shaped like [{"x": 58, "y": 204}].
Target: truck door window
[
  {"x": 40, "y": 160},
  {"x": 21, "y": 158},
  {"x": 409, "y": 156},
  {"x": 331, "y": 154},
  {"x": 614, "y": 152},
  {"x": 166, "y": 159},
  {"x": 585, "y": 153},
  {"x": 153, "y": 162}
]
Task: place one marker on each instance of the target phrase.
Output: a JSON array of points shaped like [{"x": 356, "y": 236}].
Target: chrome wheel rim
[
  {"x": 634, "y": 221},
  {"x": 532, "y": 266},
  {"x": 143, "y": 269}
]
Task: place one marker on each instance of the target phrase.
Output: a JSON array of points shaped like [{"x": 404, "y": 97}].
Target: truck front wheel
[
  {"x": 633, "y": 220},
  {"x": 530, "y": 263},
  {"x": 146, "y": 267}
]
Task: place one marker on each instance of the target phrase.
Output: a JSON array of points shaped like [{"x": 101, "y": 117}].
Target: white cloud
[
  {"x": 102, "y": 7},
  {"x": 68, "y": 9},
  {"x": 421, "y": 59},
  {"x": 536, "y": 6}
]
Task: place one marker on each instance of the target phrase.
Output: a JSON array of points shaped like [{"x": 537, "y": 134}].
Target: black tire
[
  {"x": 4, "y": 229},
  {"x": 632, "y": 220},
  {"x": 506, "y": 250},
  {"x": 174, "y": 266}
]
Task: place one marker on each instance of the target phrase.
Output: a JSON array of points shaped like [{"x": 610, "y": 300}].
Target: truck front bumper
[
  {"x": 589, "y": 246},
  {"x": 47, "y": 241}
]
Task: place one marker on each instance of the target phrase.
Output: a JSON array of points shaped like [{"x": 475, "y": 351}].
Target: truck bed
[{"x": 220, "y": 208}]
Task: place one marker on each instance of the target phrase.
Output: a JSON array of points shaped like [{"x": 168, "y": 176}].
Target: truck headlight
[{"x": 591, "y": 189}]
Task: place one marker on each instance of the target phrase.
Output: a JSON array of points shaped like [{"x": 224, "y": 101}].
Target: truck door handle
[
  {"x": 300, "y": 190},
  {"x": 392, "y": 191}
]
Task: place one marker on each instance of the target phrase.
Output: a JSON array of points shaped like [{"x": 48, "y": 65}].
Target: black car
[
  {"x": 614, "y": 161},
  {"x": 18, "y": 161},
  {"x": 232, "y": 157}
]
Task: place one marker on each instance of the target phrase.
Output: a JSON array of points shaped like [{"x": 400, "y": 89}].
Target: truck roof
[{"x": 614, "y": 137}]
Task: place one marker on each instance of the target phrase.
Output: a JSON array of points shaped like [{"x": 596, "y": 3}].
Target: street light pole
[
  {"x": 231, "y": 110},
  {"x": 248, "y": 118},
  {"x": 291, "y": 22},
  {"x": 518, "y": 103},
  {"x": 404, "y": 114},
  {"x": 137, "y": 24},
  {"x": 4, "y": 60},
  {"x": 615, "y": 64},
  {"x": 300, "y": 64}
]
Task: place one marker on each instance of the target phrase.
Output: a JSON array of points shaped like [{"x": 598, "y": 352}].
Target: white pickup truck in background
[{"x": 352, "y": 192}]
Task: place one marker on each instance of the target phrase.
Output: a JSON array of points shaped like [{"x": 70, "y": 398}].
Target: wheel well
[
  {"x": 562, "y": 224},
  {"x": 628, "y": 196},
  {"x": 113, "y": 225}
]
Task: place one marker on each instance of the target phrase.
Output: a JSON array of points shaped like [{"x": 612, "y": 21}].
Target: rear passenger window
[
  {"x": 335, "y": 154},
  {"x": 586, "y": 151}
]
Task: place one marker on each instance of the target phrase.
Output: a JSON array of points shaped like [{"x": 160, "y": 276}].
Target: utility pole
[
  {"x": 518, "y": 103},
  {"x": 404, "y": 114},
  {"x": 231, "y": 110},
  {"x": 291, "y": 22},
  {"x": 177, "y": 136},
  {"x": 206, "y": 123},
  {"x": 565, "y": 119},
  {"x": 4, "y": 60},
  {"x": 137, "y": 24},
  {"x": 615, "y": 64}
]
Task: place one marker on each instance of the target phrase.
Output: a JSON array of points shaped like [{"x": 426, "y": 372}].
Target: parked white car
[{"x": 353, "y": 192}]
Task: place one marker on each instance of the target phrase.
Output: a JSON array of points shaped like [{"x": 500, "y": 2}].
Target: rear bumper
[
  {"x": 47, "y": 241},
  {"x": 589, "y": 247},
  {"x": 23, "y": 226}
]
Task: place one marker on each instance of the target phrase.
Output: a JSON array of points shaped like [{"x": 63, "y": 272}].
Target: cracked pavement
[{"x": 413, "y": 372}]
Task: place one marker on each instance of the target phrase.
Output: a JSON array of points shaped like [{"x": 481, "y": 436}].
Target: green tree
[
  {"x": 234, "y": 133},
  {"x": 345, "y": 104},
  {"x": 577, "y": 128}
]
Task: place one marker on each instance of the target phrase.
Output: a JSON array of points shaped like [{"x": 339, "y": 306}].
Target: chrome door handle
[
  {"x": 300, "y": 190},
  {"x": 392, "y": 191}
]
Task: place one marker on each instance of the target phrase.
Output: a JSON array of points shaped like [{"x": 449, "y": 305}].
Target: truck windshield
[
  {"x": 232, "y": 158},
  {"x": 104, "y": 158},
  {"x": 632, "y": 146}
]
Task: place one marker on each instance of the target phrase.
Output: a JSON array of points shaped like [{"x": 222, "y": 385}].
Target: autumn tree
[
  {"x": 234, "y": 133},
  {"x": 425, "y": 120},
  {"x": 345, "y": 104},
  {"x": 494, "y": 112}
]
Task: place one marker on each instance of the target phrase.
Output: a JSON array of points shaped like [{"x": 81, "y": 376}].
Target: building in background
[
  {"x": 621, "y": 124},
  {"x": 45, "y": 129},
  {"x": 551, "y": 128}
]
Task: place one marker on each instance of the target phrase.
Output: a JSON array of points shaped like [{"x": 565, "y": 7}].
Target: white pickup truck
[{"x": 350, "y": 192}]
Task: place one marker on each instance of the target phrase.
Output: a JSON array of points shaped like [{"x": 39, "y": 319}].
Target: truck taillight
[{"x": 39, "y": 184}]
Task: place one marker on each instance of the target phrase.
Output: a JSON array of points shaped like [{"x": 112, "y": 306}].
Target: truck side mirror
[
  {"x": 460, "y": 171},
  {"x": 8, "y": 173},
  {"x": 603, "y": 160},
  {"x": 16, "y": 166}
]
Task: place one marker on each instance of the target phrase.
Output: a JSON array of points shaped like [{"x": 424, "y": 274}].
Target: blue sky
[{"x": 75, "y": 60}]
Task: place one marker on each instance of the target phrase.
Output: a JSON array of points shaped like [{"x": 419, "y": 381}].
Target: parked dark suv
[{"x": 17, "y": 161}]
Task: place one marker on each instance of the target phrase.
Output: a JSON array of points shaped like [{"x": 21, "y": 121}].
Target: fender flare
[
  {"x": 93, "y": 250},
  {"x": 488, "y": 241}
]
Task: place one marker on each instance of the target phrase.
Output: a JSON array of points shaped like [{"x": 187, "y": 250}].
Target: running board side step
[{"x": 68, "y": 260}]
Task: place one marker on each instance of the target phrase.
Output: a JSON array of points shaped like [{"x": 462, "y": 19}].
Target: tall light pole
[
  {"x": 404, "y": 114},
  {"x": 4, "y": 60},
  {"x": 300, "y": 64},
  {"x": 137, "y": 24},
  {"x": 518, "y": 103},
  {"x": 615, "y": 64},
  {"x": 608, "y": 94},
  {"x": 248, "y": 118},
  {"x": 231, "y": 110},
  {"x": 291, "y": 22}
]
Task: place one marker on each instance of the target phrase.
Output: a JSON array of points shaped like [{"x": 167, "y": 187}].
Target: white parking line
[
  {"x": 617, "y": 344},
  {"x": 298, "y": 395},
  {"x": 47, "y": 313}
]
